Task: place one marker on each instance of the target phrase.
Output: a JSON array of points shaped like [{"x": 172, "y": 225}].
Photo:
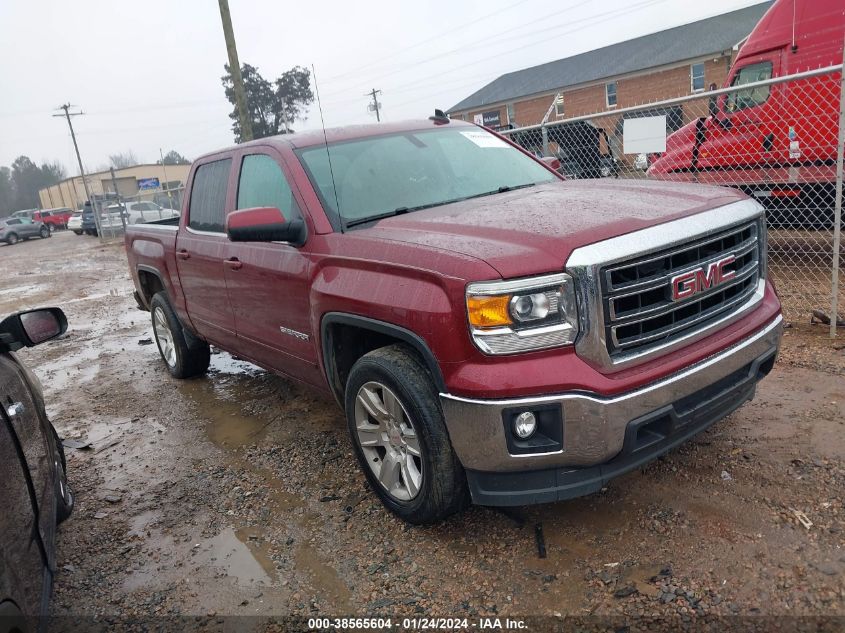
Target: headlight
[{"x": 507, "y": 317}]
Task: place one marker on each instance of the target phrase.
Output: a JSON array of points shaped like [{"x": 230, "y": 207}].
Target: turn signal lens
[{"x": 489, "y": 311}]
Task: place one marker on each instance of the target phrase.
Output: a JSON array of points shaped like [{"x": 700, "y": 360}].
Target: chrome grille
[{"x": 639, "y": 310}]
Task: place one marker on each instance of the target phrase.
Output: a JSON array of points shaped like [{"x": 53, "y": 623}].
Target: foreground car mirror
[
  {"x": 26, "y": 329},
  {"x": 264, "y": 224}
]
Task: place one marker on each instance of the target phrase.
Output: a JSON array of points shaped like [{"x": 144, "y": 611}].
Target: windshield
[{"x": 397, "y": 173}]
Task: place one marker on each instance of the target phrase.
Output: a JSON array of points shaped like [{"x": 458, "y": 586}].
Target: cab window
[
  {"x": 742, "y": 99},
  {"x": 263, "y": 184},
  {"x": 208, "y": 196}
]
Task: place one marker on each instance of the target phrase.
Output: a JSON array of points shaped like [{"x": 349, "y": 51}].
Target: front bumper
[{"x": 603, "y": 437}]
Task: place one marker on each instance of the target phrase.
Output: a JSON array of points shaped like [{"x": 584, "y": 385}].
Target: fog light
[{"x": 524, "y": 425}]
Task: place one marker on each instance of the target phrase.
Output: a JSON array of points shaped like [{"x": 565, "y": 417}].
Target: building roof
[
  {"x": 689, "y": 41},
  {"x": 117, "y": 172}
]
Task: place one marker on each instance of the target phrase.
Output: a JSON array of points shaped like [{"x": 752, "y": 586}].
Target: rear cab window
[{"x": 207, "y": 209}]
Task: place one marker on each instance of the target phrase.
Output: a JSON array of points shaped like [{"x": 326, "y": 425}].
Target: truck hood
[{"x": 534, "y": 230}]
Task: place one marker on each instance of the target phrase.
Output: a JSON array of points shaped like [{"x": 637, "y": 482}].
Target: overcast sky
[{"x": 147, "y": 74}]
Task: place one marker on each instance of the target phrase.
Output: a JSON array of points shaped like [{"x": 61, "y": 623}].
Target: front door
[
  {"x": 268, "y": 282},
  {"x": 746, "y": 132},
  {"x": 201, "y": 250}
]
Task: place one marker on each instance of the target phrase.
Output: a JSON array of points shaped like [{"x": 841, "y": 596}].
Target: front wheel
[
  {"x": 400, "y": 437},
  {"x": 184, "y": 358}
]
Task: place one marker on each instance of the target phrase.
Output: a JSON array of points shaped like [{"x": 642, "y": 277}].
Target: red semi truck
[
  {"x": 493, "y": 332},
  {"x": 775, "y": 142}
]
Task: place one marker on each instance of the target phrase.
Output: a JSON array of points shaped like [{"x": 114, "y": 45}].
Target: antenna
[{"x": 326, "y": 141}]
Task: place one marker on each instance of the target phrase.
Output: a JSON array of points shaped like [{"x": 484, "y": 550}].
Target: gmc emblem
[{"x": 691, "y": 283}]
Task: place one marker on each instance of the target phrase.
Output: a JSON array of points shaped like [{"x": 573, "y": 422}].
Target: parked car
[
  {"x": 143, "y": 211},
  {"x": 53, "y": 218},
  {"x": 24, "y": 213},
  {"x": 74, "y": 223},
  {"x": 777, "y": 143},
  {"x": 14, "y": 229},
  {"x": 89, "y": 223},
  {"x": 493, "y": 332},
  {"x": 33, "y": 477}
]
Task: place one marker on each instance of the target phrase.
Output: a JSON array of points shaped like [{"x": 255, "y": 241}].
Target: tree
[
  {"x": 123, "y": 160},
  {"x": 7, "y": 192},
  {"x": 25, "y": 179},
  {"x": 173, "y": 158},
  {"x": 272, "y": 107}
]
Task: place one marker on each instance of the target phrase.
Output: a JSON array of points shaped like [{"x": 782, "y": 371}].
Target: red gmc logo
[{"x": 688, "y": 284}]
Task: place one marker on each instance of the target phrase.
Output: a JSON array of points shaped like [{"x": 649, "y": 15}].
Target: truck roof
[{"x": 316, "y": 136}]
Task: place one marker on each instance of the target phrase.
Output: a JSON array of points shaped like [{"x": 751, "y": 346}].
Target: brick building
[{"x": 678, "y": 61}]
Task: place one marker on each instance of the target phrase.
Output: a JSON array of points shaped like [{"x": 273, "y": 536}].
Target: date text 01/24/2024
[{"x": 416, "y": 624}]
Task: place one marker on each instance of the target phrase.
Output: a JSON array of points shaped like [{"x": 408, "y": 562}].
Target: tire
[
  {"x": 391, "y": 383},
  {"x": 64, "y": 494},
  {"x": 185, "y": 357},
  {"x": 12, "y": 238},
  {"x": 77, "y": 232},
  {"x": 44, "y": 232}
]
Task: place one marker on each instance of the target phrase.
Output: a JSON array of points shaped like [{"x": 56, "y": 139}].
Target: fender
[
  {"x": 380, "y": 327},
  {"x": 191, "y": 339}
]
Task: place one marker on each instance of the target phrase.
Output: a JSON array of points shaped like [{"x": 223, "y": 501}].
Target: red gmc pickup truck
[{"x": 493, "y": 333}]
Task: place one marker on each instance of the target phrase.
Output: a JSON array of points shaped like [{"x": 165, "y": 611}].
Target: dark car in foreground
[{"x": 33, "y": 482}]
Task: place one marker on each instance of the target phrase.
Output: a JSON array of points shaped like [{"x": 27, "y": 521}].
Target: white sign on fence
[{"x": 644, "y": 135}]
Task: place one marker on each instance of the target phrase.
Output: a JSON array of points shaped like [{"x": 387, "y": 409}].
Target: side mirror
[
  {"x": 26, "y": 329},
  {"x": 264, "y": 224},
  {"x": 552, "y": 162}
]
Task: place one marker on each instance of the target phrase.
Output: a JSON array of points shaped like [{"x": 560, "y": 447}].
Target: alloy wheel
[
  {"x": 389, "y": 441},
  {"x": 163, "y": 337}
]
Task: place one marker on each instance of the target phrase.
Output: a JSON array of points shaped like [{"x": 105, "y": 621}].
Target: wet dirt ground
[{"x": 238, "y": 494}]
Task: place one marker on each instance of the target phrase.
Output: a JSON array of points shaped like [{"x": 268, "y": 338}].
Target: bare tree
[{"x": 123, "y": 160}]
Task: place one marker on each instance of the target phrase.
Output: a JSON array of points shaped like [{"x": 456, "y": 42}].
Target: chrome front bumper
[{"x": 595, "y": 427}]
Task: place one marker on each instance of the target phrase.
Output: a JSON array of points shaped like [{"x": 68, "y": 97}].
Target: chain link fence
[
  {"x": 778, "y": 140},
  {"x": 116, "y": 212}
]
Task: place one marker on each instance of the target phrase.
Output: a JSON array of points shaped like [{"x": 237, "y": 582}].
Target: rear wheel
[
  {"x": 77, "y": 232},
  {"x": 184, "y": 357},
  {"x": 12, "y": 238},
  {"x": 44, "y": 232},
  {"x": 400, "y": 437}
]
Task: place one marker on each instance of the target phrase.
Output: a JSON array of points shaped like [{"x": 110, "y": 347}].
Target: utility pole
[
  {"x": 67, "y": 114},
  {"x": 166, "y": 181},
  {"x": 235, "y": 69},
  {"x": 374, "y": 106}
]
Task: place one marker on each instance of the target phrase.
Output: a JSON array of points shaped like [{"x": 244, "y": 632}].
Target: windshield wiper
[{"x": 402, "y": 210}]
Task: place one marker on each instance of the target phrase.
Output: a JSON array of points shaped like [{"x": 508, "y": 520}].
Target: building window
[
  {"x": 511, "y": 116},
  {"x": 610, "y": 94},
  {"x": 559, "y": 111},
  {"x": 697, "y": 77}
]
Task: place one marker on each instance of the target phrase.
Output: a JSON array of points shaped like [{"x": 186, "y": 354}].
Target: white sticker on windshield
[{"x": 484, "y": 139}]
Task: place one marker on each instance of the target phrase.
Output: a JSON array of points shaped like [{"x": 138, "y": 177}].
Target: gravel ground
[{"x": 238, "y": 494}]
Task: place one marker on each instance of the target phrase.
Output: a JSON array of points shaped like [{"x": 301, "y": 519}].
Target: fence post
[
  {"x": 545, "y": 132},
  {"x": 837, "y": 214}
]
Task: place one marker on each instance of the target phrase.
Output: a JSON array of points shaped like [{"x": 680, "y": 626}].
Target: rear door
[
  {"x": 268, "y": 282},
  {"x": 202, "y": 247}
]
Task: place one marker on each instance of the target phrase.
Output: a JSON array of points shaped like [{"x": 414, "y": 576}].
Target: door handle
[
  {"x": 233, "y": 263},
  {"x": 183, "y": 254}
]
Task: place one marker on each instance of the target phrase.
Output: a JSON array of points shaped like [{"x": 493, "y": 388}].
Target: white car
[
  {"x": 74, "y": 223},
  {"x": 140, "y": 212}
]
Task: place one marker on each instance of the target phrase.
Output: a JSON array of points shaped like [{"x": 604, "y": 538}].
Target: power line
[{"x": 426, "y": 41}]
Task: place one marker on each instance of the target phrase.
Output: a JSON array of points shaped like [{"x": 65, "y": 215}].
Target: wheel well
[
  {"x": 150, "y": 285},
  {"x": 345, "y": 343}
]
